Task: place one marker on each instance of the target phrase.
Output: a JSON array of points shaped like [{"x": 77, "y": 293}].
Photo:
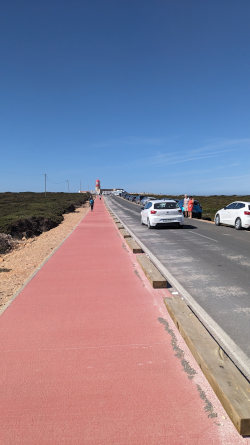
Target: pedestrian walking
[
  {"x": 100, "y": 196},
  {"x": 91, "y": 203},
  {"x": 185, "y": 205},
  {"x": 190, "y": 206}
]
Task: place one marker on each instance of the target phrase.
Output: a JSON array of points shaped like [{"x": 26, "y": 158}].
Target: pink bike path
[{"x": 89, "y": 355}]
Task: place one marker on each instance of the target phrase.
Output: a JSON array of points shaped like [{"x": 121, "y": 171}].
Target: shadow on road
[{"x": 185, "y": 227}]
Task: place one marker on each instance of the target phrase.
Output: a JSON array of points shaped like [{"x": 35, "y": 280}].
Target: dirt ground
[{"x": 17, "y": 265}]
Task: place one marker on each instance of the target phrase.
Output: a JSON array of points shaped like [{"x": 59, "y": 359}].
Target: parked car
[
  {"x": 236, "y": 214},
  {"x": 146, "y": 199},
  {"x": 160, "y": 212},
  {"x": 139, "y": 198},
  {"x": 131, "y": 197},
  {"x": 197, "y": 209}
]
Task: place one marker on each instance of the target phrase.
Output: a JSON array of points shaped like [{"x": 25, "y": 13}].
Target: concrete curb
[
  {"x": 133, "y": 245},
  {"x": 124, "y": 233},
  {"x": 153, "y": 275}
]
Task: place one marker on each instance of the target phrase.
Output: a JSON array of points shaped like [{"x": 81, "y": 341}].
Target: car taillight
[
  {"x": 153, "y": 212},
  {"x": 246, "y": 213},
  {"x": 180, "y": 211}
]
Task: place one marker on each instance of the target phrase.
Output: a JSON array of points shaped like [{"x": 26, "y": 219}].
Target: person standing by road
[
  {"x": 185, "y": 205},
  {"x": 190, "y": 206},
  {"x": 91, "y": 203}
]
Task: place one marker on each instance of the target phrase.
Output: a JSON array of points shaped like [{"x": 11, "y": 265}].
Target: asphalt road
[{"x": 212, "y": 263}]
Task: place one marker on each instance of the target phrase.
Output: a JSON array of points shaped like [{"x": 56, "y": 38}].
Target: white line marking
[{"x": 204, "y": 236}]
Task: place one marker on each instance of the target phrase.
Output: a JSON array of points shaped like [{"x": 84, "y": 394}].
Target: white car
[
  {"x": 236, "y": 214},
  {"x": 159, "y": 212}
]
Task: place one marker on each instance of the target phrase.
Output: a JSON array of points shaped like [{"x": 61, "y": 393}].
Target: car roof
[
  {"x": 242, "y": 202},
  {"x": 163, "y": 200}
]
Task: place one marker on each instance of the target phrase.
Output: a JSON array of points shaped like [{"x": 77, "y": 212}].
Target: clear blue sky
[{"x": 149, "y": 95}]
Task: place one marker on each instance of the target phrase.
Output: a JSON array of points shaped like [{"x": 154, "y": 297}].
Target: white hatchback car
[
  {"x": 236, "y": 214},
  {"x": 159, "y": 212}
]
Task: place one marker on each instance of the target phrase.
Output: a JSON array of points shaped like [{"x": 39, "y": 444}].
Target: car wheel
[
  {"x": 217, "y": 220},
  {"x": 142, "y": 222},
  {"x": 179, "y": 226},
  {"x": 149, "y": 225},
  {"x": 238, "y": 225}
]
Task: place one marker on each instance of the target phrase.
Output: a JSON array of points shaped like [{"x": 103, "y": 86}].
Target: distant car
[
  {"x": 160, "y": 212},
  {"x": 139, "y": 198},
  {"x": 131, "y": 197},
  {"x": 197, "y": 209},
  {"x": 236, "y": 214}
]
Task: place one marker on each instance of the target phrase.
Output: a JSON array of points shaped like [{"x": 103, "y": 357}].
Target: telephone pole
[
  {"x": 45, "y": 184},
  {"x": 68, "y": 184}
]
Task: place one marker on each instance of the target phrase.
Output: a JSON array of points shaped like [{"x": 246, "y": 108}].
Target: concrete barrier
[
  {"x": 124, "y": 233},
  {"x": 230, "y": 386},
  {"x": 119, "y": 226},
  {"x": 157, "y": 280},
  {"x": 133, "y": 245}
]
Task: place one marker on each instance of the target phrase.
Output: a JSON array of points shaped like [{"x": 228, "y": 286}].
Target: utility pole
[
  {"x": 68, "y": 184},
  {"x": 80, "y": 185},
  {"x": 45, "y": 184}
]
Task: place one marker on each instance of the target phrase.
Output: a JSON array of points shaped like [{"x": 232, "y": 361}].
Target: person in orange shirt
[{"x": 190, "y": 206}]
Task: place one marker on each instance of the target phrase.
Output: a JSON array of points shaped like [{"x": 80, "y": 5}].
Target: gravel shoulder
[{"x": 19, "y": 264}]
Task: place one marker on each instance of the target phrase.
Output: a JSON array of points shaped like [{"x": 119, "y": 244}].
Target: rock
[{"x": 6, "y": 243}]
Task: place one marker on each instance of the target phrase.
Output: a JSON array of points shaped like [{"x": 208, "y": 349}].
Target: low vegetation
[{"x": 29, "y": 214}]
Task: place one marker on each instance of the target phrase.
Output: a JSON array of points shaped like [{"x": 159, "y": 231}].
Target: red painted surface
[{"x": 84, "y": 359}]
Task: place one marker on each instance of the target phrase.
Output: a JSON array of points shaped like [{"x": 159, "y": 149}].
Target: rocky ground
[{"x": 17, "y": 265}]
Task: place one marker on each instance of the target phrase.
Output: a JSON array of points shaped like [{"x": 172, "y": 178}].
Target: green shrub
[{"x": 16, "y": 207}]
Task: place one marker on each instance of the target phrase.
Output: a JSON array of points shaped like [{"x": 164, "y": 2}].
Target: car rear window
[{"x": 166, "y": 205}]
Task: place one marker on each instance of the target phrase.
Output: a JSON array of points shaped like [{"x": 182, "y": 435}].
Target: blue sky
[{"x": 151, "y": 96}]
